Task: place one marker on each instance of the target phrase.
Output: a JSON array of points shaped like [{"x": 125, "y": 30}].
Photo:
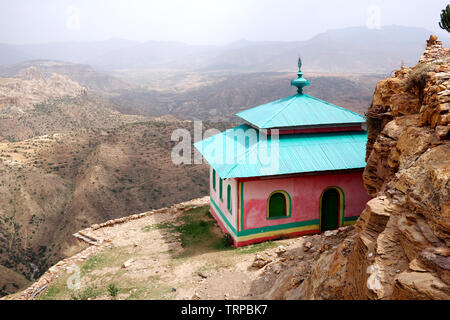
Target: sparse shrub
[
  {"x": 445, "y": 19},
  {"x": 373, "y": 124},
  {"x": 87, "y": 293},
  {"x": 208, "y": 214},
  {"x": 193, "y": 232},
  {"x": 227, "y": 240},
  {"x": 113, "y": 290},
  {"x": 92, "y": 263},
  {"x": 416, "y": 79}
]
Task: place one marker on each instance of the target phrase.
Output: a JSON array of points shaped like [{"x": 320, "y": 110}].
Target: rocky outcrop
[{"x": 400, "y": 249}]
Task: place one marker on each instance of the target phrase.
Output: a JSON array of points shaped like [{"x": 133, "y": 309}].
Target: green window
[
  {"x": 278, "y": 206},
  {"x": 229, "y": 199},
  {"x": 214, "y": 179},
  {"x": 220, "y": 188}
]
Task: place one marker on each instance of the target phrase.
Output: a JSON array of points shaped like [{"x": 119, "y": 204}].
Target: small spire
[{"x": 300, "y": 82}]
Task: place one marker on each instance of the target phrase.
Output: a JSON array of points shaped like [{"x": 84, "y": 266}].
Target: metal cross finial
[{"x": 300, "y": 82}]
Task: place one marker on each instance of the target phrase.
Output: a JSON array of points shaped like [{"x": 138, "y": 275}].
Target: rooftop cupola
[
  {"x": 300, "y": 111},
  {"x": 300, "y": 82}
]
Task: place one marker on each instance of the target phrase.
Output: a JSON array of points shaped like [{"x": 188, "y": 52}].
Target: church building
[{"x": 294, "y": 167}]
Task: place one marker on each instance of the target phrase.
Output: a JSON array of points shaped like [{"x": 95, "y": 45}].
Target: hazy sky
[{"x": 203, "y": 21}]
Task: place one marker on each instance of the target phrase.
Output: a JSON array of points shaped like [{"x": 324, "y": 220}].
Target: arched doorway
[{"x": 331, "y": 209}]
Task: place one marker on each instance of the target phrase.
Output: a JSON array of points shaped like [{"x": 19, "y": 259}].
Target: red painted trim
[
  {"x": 316, "y": 130},
  {"x": 290, "y": 235},
  {"x": 315, "y": 173}
]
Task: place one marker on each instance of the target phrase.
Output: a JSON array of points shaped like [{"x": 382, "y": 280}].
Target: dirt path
[{"x": 146, "y": 258}]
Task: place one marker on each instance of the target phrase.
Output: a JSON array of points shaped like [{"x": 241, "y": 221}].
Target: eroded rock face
[{"x": 401, "y": 246}]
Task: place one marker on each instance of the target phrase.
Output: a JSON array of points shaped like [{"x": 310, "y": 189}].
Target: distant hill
[
  {"x": 10, "y": 54},
  {"x": 211, "y": 96},
  {"x": 37, "y": 103},
  {"x": 224, "y": 96},
  {"x": 355, "y": 49},
  {"x": 80, "y": 52},
  {"x": 152, "y": 54},
  {"x": 81, "y": 73}
]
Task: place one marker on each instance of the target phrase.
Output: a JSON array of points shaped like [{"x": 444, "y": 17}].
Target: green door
[{"x": 330, "y": 210}]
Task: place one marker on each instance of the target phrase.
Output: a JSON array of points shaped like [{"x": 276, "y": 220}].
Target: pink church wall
[
  {"x": 305, "y": 192},
  {"x": 222, "y": 203}
]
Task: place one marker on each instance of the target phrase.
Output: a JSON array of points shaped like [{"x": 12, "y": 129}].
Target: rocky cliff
[{"x": 400, "y": 249}]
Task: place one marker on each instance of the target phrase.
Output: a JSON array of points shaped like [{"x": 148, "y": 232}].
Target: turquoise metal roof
[
  {"x": 299, "y": 110},
  {"x": 240, "y": 152}
]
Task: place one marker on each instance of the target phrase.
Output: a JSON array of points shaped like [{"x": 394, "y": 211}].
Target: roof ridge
[
  {"x": 333, "y": 105},
  {"x": 282, "y": 109},
  {"x": 277, "y": 114}
]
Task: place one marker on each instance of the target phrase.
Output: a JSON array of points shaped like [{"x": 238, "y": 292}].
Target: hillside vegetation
[
  {"x": 68, "y": 159},
  {"x": 53, "y": 185}
]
